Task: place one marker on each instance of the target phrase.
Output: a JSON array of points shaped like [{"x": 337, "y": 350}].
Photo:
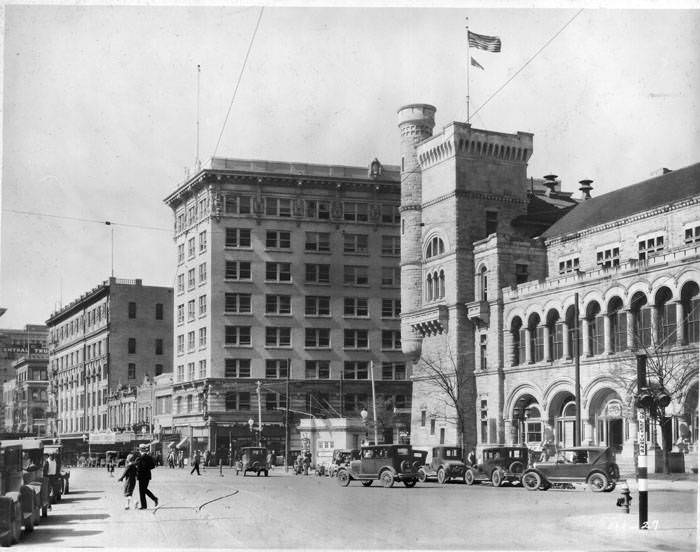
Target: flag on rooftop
[
  {"x": 477, "y": 64},
  {"x": 483, "y": 42}
]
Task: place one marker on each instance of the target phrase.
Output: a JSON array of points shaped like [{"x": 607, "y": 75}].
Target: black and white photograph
[{"x": 350, "y": 275}]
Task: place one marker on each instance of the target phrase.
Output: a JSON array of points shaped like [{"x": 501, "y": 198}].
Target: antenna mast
[{"x": 197, "y": 163}]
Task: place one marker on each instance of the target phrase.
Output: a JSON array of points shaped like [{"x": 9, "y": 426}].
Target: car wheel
[
  {"x": 410, "y": 483},
  {"x": 441, "y": 476},
  {"x": 367, "y": 483},
  {"x": 597, "y": 482},
  {"x": 517, "y": 469},
  {"x": 469, "y": 477},
  {"x": 422, "y": 476},
  {"x": 387, "y": 479},
  {"x": 343, "y": 478},
  {"x": 610, "y": 487},
  {"x": 496, "y": 478},
  {"x": 531, "y": 480}
]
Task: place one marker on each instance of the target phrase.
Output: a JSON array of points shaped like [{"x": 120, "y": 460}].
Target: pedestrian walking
[
  {"x": 471, "y": 458},
  {"x": 195, "y": 463},
  {"x": 129, "y": 478},
  {"x": 144, "y": 465},
  {"x": 171, "y": 459},
  {"x": 181, "y": 459}
]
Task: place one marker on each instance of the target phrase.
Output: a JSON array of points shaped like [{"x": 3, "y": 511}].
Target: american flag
[
  {"x": 483, "y": 42},
  {"x": 477, "y": 64}
]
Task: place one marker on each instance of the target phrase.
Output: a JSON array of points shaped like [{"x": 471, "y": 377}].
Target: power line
[
  {"x": 79, "y": 219},
  {"x": 527, "y": 62},
  {"x": 240, "y": 75}
]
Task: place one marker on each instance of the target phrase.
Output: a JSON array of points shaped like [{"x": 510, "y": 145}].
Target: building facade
[
  {"x": 286, "y": 272},
  {"x": 492, "y": 264},
  {"x": 111, "y": 337},
  {"x": 30, "y": 401}
]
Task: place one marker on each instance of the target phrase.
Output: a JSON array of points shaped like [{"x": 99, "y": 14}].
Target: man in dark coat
[{"x": 144, "y": 465}]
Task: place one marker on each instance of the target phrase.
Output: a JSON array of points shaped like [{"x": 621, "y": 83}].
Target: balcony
[
  {"x": 478, "y": 311},
  {"x": 429, "y": 321}
]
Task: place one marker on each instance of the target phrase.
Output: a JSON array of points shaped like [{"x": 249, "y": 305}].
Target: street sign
[{"x": 641, "y": 432}]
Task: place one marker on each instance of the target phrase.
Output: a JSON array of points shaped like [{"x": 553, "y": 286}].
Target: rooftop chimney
[
  {"x": 550, "y": 180},
  {"x": 586, "y": 188}
]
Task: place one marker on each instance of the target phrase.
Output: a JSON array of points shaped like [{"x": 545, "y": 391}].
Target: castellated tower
[{"x": 457, "y": 187}]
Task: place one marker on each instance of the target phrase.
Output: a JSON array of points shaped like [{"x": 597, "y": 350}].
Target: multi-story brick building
[
  {"x": 112, "y": 336},
  {"x": 30, "y": 402},
  {"x": 491, "y": 266},
  {"x": 286, "y": 270}
]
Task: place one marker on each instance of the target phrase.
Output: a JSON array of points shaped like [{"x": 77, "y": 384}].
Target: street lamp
[{"x": 86, "y": 439}]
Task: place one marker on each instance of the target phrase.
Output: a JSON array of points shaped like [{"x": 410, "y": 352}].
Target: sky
[{"x": 100, "y": 111}]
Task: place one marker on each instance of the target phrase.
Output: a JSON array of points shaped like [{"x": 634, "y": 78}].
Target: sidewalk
[{"x": 665, "y": 482}]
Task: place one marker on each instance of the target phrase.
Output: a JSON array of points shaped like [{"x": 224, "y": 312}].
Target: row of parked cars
[
  {"x": 388, "y": 464},
  {"x": 32, "y": 478}
]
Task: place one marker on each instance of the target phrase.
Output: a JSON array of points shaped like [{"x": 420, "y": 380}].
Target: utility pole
[
  {"x": 286, "y": 418},
  {"x": 577, "y": 375},
  {"x": 259, "y": 416},
  {"x": 642, "y": 439},
  {"x": 374, "y": 402}
]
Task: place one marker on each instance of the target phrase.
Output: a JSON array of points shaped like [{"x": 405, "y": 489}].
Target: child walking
[{"x": 129, "y": 478}]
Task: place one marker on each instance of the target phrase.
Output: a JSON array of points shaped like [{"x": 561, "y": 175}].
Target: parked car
[
  {"x": 447, "y": 463},
  {"x": 594, "y": 466},
  {"x": 385, "y": 463},
  {"x": 342, "y": 457},
  {"x": 253, "y": 459},
  {"x": 499, "y": 465},
  {"x": 17, "y": 500}
]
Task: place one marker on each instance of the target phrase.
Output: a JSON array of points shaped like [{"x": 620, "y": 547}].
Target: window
[
  {"x": 202, "y": 305},
  {"x": 355, "y": 212},
  {"x": 278, "y": 304},
  {"x": 278, "y": 207},
  {"x": 159, "y": 311},
  {"x": 435, "y": 286},
  {"x": 237, "y": 303},
  {"x": 391, "y": 308},
  {"x": 271, "y": 401},
  {"x": 608, "y": 258},
  {"x": 355, "y": 275},
  {"x": 275, "y": 368},
  {"x": 237, "y": 270},
  {"x": 202, "y": 241},
  {"x": 484, "y": 283},
  {"x": 180, "y": 313},
  {"x": 666, "y": 318},
  {"x": 391, "y": 276},
  {"x": 594, "y": 319},
  {"x": 318, "y": 273},
  {"x": 491, "y": 222},
  {"x": 181, "y": 343},
  {"x": 690, "y": 302},
  {"x": 278, "y": 337},
  {"x": 132, "y": 345},
  {"x": 190, "y": 279},
  {"x": 432, "y": 426},
  {"x": 237, "y": 367},
  {"x": 482, "y": 351},
  {"x": 237, "y": 237},
  {"x": 190, "y": 371},
  {"x": 190, "y": 248},
  {"x": 317, "y": 306},
  {"x": 355, "y": 243},
  {"x": 641, "y": 320},
  {"x": 203, "y": 207},
  {"x": 277, "y": 239},
  {"x": 691, "y": 234},
  {"x": 650, "y": 246},
  {"x": 390, "y": 214},
  {"x": 317, "y": 209},
  {"x": 568, "y": 265},
  {"x": 278, "y": 272},
  {"x": 435, "y": 247},
  {"x": 521, "y": 273},
  {"x": 190, "y": 341},
  {"x": 159, "y": 369},
  {"x": 131, "y": 371},
  {"x": 618, "y": 326},
  {"x": 202, "y": 337},
  {"x": 356, "y": 306},
  {"x": 180, "y": 283},
  {"x": 237, "y": 401},
  {"x": 159, "y": 346},
  {"x": 484, "y": 412},
  {"x": 237, "y": 335},
  {"x": 423, "y": 415},
  {"x": 190, "y": 310},
  {"x": 355, "y": 370},
  {"x": 317, "y": 369},
  {"x": 391, "y": 340},
  {"x": 317, "y": 241},
  {"x": 180, "y": 253},
  {"x": 237, "y": 205},
  {"x": 391, "y": 245},
  {"x": 202, "y": 369},
  {"x": 202, "y": 273},
  {"x": 354, "y": 402},
  {"x": 132, "y": 309},
  {"x": 317, "y": 338},
  {"x": 355, "y": 339},
  {"x": 393, "y": 371}
]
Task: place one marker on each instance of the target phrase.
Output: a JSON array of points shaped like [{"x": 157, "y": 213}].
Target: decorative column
[
  {"x": 565, "y": 332},
  {"x": 606, "y": 335},
  {"x": 630, "y": 329},
  {"x": 680, "y": 324},
  {"x": 510, "y": 431},
  {"x": 585, "y": 345},
  {"x": 528, "y": 347},
  {"x": 547, "y": 348}
]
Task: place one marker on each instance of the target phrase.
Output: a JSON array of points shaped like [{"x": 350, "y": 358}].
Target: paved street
[{"x": 285, "y": 511}]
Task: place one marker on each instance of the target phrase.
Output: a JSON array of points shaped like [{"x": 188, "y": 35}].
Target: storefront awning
[
  {"x": 182, "y": 443},
  {"x": 172, "y": 444}
]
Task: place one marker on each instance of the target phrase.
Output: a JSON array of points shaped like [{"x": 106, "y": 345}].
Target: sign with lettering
[{"x": 641, "y": 432}]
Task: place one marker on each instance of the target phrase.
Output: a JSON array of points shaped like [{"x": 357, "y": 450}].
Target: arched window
[
  {"x": 536, "y": 338},
  {"x": 516, "y": 333},
  {"x": 442, "y": 284},
  {"x": 666, "y": 317},
  {"x": 483, "y": 283},
  {"x": 429, "y": 288},
  {"x": 594, "y": 320},
  {"x": 574, "y": 344},
  {"x": 189, "y": 403},
  {"x": 533, "y": 425},
  {"x": 618, "y": 325},
  {"x": 435, "y": 247},
  {"x": 641, "y": 320},
  {"x": 556, "y": 335},
  {"x": 690, "y": 299},
  {"x": 436, "y": 286}
]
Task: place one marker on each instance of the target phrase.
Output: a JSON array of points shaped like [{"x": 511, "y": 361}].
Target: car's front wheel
[
  {"x": 387, "y": 479},
  {"x": 441, "y": 476},
  {"x": 343, "y": 478},
  {"x": 496, "y": 478},
  {"x": 422, "y": 476},
  {"x": 531, "y": 480},
  {"x": 469, "y": 477},
  {"x": 597, "y": 482},
  {"x": 367, "y": 483},
  {"x": 517, "y": 469}
]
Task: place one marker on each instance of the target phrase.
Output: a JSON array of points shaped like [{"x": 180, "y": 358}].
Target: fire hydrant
[{"x": 625, "y": 500}]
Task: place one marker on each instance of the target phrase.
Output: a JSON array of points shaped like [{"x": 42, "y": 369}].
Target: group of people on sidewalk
[{"x": 138, "y": 467}]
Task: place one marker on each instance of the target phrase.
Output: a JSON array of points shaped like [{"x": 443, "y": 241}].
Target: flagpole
[{"x": 469, "y": 62}]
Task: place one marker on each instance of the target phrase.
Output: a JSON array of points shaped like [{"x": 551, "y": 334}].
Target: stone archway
[
  {"x": 562, "y": 418},
  {"x": 606, "y": 422}
]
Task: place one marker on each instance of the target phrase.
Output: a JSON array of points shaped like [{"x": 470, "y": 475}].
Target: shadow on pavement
[
  {"x": 63, "y": 519},
  {"x": 55, "y": 535},
  {"x": 82, "y": 493},
  {"x": 65, "y": 500}
]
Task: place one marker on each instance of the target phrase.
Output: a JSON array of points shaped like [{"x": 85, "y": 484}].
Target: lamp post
[
  {"x": 251, "y": 423},
  {"x": 86, "y": 439}
]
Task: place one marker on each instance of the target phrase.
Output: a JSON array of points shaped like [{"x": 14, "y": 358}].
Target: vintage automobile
[
  {"x": 59, "y": 478},
  {"x": 342, "y": 457},
  {"x": 594, "y": 466},
  {"x": 253, "y": 459},
  {"x": 385, "y": 463},
  {"x": 34, "y": 465},
  {"x": 17, "y": 501},
  {"x": 447, "y": 463},
  {"x": 499, "y": 465}
]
